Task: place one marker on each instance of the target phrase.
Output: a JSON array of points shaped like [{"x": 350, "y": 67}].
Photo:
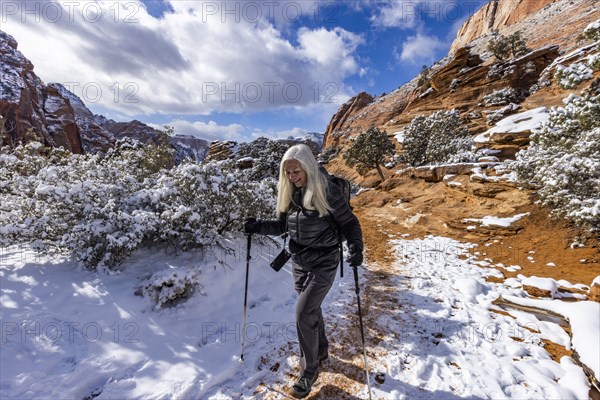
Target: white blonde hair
[{"x": 315, "y": 191}]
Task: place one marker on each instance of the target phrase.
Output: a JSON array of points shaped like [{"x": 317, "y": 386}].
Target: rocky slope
[
  {"x": 468, "y": 74},
  {"x": 496, "y": 15},
  {"x": 440, "y": 200},
  {"x": 53, "y": 115}
]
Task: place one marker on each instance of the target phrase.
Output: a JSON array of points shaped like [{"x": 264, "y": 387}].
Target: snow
[
  {"x": 526, "y": 121},
  {"x": 584, "y": 317},
  {"x": 488, "y": 221},
  {"x": 400, "y": 135},
  {"x": 453, "y": 346},
  {"x": 541, "y": 283},
  {"x": 569, "y": 77},
  {"x": 454, "y": 183},
  {"x": 68, "y": 333},
  {"x": 593, "y": 26},
  {"x": 73, "y": 333}
]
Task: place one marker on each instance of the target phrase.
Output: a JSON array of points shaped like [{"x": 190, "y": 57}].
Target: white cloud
[
  {"x": 195, "y": 60},
  {"x": 421, "y": 49},
  {"x": 209, "y": 131},
  {"x": 408, "y": 14},
  {"x": 330, "y": 49}
]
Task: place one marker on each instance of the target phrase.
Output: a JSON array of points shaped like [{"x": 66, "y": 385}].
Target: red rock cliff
[{"x": 497, "y": 14}]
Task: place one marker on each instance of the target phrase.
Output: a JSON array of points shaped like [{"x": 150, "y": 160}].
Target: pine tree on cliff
[
  {"x": 503, "y": 47},
  {"x": 369, "y": 151}
]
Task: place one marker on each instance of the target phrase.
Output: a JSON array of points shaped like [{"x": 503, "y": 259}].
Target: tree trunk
[{"x": 380, "y": 172}]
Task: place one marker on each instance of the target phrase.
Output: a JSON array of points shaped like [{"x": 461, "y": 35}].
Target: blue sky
[{"x": 231, "y": 70}]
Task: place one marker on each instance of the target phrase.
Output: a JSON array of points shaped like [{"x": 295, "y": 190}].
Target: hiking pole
[
  {"x": 249, "y": 243},
  {"x": 362, "y": 330}
]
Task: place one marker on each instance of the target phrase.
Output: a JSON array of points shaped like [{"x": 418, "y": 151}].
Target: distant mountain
[
  {"x": 315, "y": 137},
  {"x": 57, "y": 117}
]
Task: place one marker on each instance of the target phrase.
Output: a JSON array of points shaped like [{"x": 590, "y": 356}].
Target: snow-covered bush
[
  {"x": 266, "y": 155},
  {"x": 168, "y": 287},
  {"x": 563, "y": 160},
  {"x": 502, "y": 96},
  {"x": 328, "y": 154},
  {"x": 571, "y": 76},
  {"x": 435, "y": 139},
  {"x": 22, "y": 219},
  {"x": 454, "y": 84},
  {"x": 592, "y": 31},
  {"x": 496, "y": 115},
  {"x": 594, "y": 61},
  {"x": 101, "y": 209},
  {"x": 199, "y": 202}
]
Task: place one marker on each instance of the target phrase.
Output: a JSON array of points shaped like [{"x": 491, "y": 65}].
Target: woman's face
[{"x": 294, "y": 172}]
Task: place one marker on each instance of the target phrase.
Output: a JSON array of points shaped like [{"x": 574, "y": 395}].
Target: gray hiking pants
[{"x": 312, "y": 286}]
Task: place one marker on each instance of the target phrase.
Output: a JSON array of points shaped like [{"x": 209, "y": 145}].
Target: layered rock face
[
  {"x": 468, "y": 77},
  {"x": 219, "y": 151},
  {"x": 541, "y": 22},
  {"x": 463, "y": 83},
  {"x": 495, "y": 15},
  {"x": 351, "y": 107},
  {"x": 31, "y": 110}
]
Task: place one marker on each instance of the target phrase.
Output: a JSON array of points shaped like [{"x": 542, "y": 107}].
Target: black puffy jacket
[{"x": 314, "y": 239}]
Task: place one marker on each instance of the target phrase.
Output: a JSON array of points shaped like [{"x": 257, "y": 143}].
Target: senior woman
[{"x": 310, "y": 209}]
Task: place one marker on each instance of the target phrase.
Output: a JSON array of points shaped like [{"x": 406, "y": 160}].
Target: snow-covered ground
[
  {"x": 73, "y": 334},
  {"x": 450, "y": 342}
]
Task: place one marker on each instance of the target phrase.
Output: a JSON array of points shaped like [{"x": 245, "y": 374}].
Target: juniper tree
[
  {"x": 369, "y": 151},
  {"x": 503, "y": 47},
  {"x": 563, "y": 159},
  {"x": 424, "y": 78},
  {"x": 436, "y": 138}
]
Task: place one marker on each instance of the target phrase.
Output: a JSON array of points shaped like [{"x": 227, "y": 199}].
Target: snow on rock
[
  {"x": 547, "y": 287},
  {"x": 584, "y": 318},
  {"x": 594, "y": 293},
  {"x": 530, "y": 120},
  {"x": 574, "y": 378},
  {"x": 400, "y": 135},
  {"x": 496, "y": 221},
  {"x": 593, "y": 26}
]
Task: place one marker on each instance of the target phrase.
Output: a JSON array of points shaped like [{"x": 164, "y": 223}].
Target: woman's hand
[
  {"x": 355, "y": 255},
  {"x": 252, "y": 226}
]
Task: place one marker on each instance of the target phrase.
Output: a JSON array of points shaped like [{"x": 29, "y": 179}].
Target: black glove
[
  {"x": 355, "y": 255},
  {"x": 252, "y": 226}
]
